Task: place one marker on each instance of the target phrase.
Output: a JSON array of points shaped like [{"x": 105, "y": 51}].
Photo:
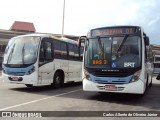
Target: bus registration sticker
[{"x": 110, "y": 87}]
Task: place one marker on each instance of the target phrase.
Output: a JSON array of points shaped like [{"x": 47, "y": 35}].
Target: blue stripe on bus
[
  {"x": 17, "y": 71},
  {"x": 111, "y": 80}
]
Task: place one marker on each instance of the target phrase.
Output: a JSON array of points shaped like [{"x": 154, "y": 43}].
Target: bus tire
[
  {"x": 146, "y": 88},
  {"x": 58, "y": 80},
  {"x": 29, "y": 85},
  {"x": 150, "y": 84}
]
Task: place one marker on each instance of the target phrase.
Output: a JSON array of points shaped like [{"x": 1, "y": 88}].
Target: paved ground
[{"x": 14, "y": 97}]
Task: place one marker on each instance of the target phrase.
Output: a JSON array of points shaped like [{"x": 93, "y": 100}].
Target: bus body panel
[
  {"x": 135, "y": 87},
  {"x": 46, "y": 73},
  {"x": 74, "y": 71},
  {"x": 60, "y": 64}
]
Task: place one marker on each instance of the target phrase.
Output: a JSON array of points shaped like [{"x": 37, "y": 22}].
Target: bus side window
[
  {"x": 48, "y": 51},
  {"x": 63, "y": 50},
  {"x": 57, "y": 49},
  {"x": 71, "y": 51},
  {"x": 45, "y": 52},
  {"x": 76, "y": 52},
  {"x": 81, "y": 53},
  {"x": 41, "y": 52}
]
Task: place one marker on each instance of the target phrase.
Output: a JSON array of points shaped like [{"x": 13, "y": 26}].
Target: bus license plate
[
  {"x": 110, "y": 87},
  {"x": 15, "y": 78}
]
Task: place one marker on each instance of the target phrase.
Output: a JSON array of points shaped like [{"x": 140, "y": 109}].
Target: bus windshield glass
[
  {"x": 118, "y": 52},
  {"x": 21, "y": 50}
]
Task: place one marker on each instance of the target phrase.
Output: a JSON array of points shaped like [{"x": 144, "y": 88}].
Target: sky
[{"x": 82, "y": 15}]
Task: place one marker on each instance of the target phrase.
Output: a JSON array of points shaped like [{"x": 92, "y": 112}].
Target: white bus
[
  {"x": 116, "y": 60},
  {"x": 42, "y": 59}
]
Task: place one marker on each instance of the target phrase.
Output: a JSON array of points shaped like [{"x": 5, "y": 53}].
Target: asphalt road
[{"x": 16, "y": 97}]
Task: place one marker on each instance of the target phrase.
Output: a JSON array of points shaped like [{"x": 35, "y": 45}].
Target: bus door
[
  {"x": 46, "y": 61},
  {"x": 74, "y": 63}
]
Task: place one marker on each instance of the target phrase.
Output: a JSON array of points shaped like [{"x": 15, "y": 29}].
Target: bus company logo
[
  {"x": 129, "y": 64},
  {"x": 6, "y": 114}
]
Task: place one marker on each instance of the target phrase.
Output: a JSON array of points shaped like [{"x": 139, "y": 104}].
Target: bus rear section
[{"x": 115, "y": 60}]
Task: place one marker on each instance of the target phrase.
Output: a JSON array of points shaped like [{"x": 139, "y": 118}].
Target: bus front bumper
[
  {"x": 27, "y": 79},
  {"x": 135, "y": 87}
]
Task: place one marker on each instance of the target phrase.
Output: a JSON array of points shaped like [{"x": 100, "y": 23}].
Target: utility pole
[{"x": 63, "y": 19}]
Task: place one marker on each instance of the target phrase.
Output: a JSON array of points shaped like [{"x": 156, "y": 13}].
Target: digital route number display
[
  {"x": 99, "y": 62},
  {"x": 112, "y": 31}
]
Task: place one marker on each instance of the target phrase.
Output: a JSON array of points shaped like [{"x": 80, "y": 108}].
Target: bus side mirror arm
[
  {"x": 81, "y": 40},
  {"x": 147, "y": 40},
  {"x": 158, "y": 77}
]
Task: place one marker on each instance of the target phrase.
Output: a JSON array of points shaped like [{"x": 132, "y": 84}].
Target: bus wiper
[
  {"x": 121, "y": 45},
  {"x": 100, "y": 44},
  {"x": 10, "y": 55},
  {"x": 23, "y": 51}
]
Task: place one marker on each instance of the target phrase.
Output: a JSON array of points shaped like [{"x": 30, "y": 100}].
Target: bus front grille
[
  {"x": 111, "y": 74},
  {"x": 111, "y": 82},
  {"x": 16, "y": 73}
]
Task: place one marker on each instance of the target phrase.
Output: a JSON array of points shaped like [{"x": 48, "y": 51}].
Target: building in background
[
  {"x": 23, "y": 27},
  {"x": 156, "y": 56}
]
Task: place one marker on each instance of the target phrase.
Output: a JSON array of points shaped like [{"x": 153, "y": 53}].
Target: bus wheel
[
  {"x": 58, "y": 80},
  {"x": 29, "y": 85},
  {"x": 150, "y": 84},
  {"x": 146, "y": 88}
]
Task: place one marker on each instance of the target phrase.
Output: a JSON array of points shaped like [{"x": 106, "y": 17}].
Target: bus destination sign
[{"x": 111, "y": 31}]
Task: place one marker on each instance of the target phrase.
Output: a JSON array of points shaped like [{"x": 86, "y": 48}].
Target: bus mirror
[
  {"x": 81, "y": 40},
  {"x": 147, "y": 40},
  {"x": 158, "y": 77}
]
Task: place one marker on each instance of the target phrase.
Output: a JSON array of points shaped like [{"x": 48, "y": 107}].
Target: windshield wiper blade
[
  {"x": 23, "y": 51},
  {"x": 101, "y": 46},
  {"x": 121, "y": 45},
  {"x": 10, "y": 55},
  {"x": 100, "y": 43}
]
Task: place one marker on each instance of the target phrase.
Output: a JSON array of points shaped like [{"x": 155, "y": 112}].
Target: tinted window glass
[
  {"x": 48, "y": 50},
  {"x": 64, "y": 50},
  {"x": 46, "y": 54},
  {"x": 57, "y": 49},
  {"x": 76, "y": 53},
  {"x": 71, "y": 51},
  {"x": 81, "y": 52}
]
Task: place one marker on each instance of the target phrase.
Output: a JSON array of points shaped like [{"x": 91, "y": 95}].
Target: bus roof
[{"x": 51, "y": 36}]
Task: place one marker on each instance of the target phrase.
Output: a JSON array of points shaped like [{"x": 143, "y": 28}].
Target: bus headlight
[
  {"x": 3, "y": 70},
  {"x": 136, "y": 76},
  {"x": 86, "y": 73},
  {"x": 31, "y": 70}
]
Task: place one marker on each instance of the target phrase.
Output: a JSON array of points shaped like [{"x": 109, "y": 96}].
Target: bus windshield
[
  {"x": 116, "y": 52},
  {"x": 21, "y": 50}
]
